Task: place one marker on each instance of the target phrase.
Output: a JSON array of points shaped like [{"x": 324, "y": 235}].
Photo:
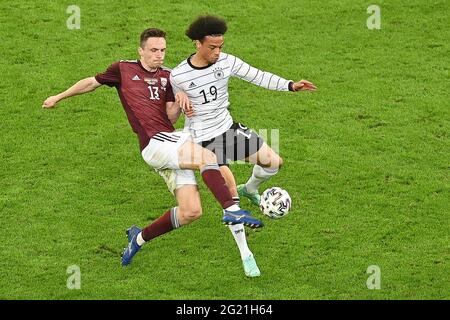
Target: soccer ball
[{"x": 275, "y": 202}]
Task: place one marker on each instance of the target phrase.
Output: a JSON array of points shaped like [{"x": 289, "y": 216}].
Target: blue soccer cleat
[
  {"x": 241, "y": 216},
  {"x": 250, "y": 267},
  {"x": 132, "y": 231},
  {"x": 133, "y": 247}
]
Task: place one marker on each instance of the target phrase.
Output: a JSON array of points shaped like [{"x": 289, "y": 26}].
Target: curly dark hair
[
  {"x": 151, "y": 33},
  {"x": 206, "y": 26}
]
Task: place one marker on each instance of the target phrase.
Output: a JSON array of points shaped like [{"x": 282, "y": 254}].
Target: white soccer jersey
[{"x": 207, "y": 89}]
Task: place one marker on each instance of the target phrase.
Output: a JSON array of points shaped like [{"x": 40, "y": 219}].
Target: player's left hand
[
  {"x": 189, "y": 112},
  {"x": 183, "y": 101},
  {"x": 303, "y": 85}
]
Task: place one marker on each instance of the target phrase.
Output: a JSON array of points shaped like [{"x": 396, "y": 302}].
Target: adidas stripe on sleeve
[{"x": 253, "y": 75}]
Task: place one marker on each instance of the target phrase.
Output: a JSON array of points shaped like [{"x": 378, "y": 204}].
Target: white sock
[
  {"x": 140, "y": 241},
  {"x": 238, "y": 232},
  {"x": 234, "y": 207},
  {"x": 259, "y": 175}
]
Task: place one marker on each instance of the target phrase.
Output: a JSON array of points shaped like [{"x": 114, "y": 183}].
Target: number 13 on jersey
[{"x": 154, "y": 94}]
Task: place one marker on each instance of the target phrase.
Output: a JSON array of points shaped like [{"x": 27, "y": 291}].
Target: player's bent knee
[
  {"x": 209, "y": 157},
  {"x": 274, "y": 162},
  {"x": 192, "y": 214}
]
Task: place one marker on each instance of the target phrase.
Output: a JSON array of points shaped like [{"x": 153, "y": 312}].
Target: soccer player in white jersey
[{"x": 204, "y": 77}]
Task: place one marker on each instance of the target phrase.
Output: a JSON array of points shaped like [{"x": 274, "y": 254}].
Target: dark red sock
[
  {"x": 216, "y": 183},
  {"x": 160, "y": 226}
]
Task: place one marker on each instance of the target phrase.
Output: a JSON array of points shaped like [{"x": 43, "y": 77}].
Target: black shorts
[{"x": 237, "y": 143}]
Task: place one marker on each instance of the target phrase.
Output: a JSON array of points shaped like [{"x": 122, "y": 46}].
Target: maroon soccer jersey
[{"x": 143, "y": 95}]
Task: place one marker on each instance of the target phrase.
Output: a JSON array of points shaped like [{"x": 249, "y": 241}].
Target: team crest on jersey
[
  {"x": 151, "y": 81},
  {"x": 218, "y": 73},
  {"x": 163, "y": 82}
]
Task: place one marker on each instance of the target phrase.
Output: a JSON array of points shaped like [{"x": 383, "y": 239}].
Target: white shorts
[
  {"x": 161, "y": 153},
  {"x": 177, "y": 178}
]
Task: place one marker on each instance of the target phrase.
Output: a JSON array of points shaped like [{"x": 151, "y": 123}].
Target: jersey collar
[
  {"x": 197, "y": 68},
  {"x": 140, "y": 64}
]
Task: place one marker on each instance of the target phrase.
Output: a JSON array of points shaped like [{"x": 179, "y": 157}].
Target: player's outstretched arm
[
  {"x": 266, "y": 79},
  {"x": 82, "y": 86}
]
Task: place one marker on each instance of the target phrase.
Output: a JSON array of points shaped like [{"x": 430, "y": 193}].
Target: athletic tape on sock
[
  {"x": 173, "y": 218},
  {"x": 214, "y": 166}
]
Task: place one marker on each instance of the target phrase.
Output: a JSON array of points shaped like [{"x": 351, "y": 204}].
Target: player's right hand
[{"x": 50, "y": 102}]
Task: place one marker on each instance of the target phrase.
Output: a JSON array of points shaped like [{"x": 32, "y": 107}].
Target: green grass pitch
[{"x": 367, "y": 156}]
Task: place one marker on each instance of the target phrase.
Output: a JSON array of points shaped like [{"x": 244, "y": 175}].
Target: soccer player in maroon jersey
[{"x": 146, "y": 94}]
